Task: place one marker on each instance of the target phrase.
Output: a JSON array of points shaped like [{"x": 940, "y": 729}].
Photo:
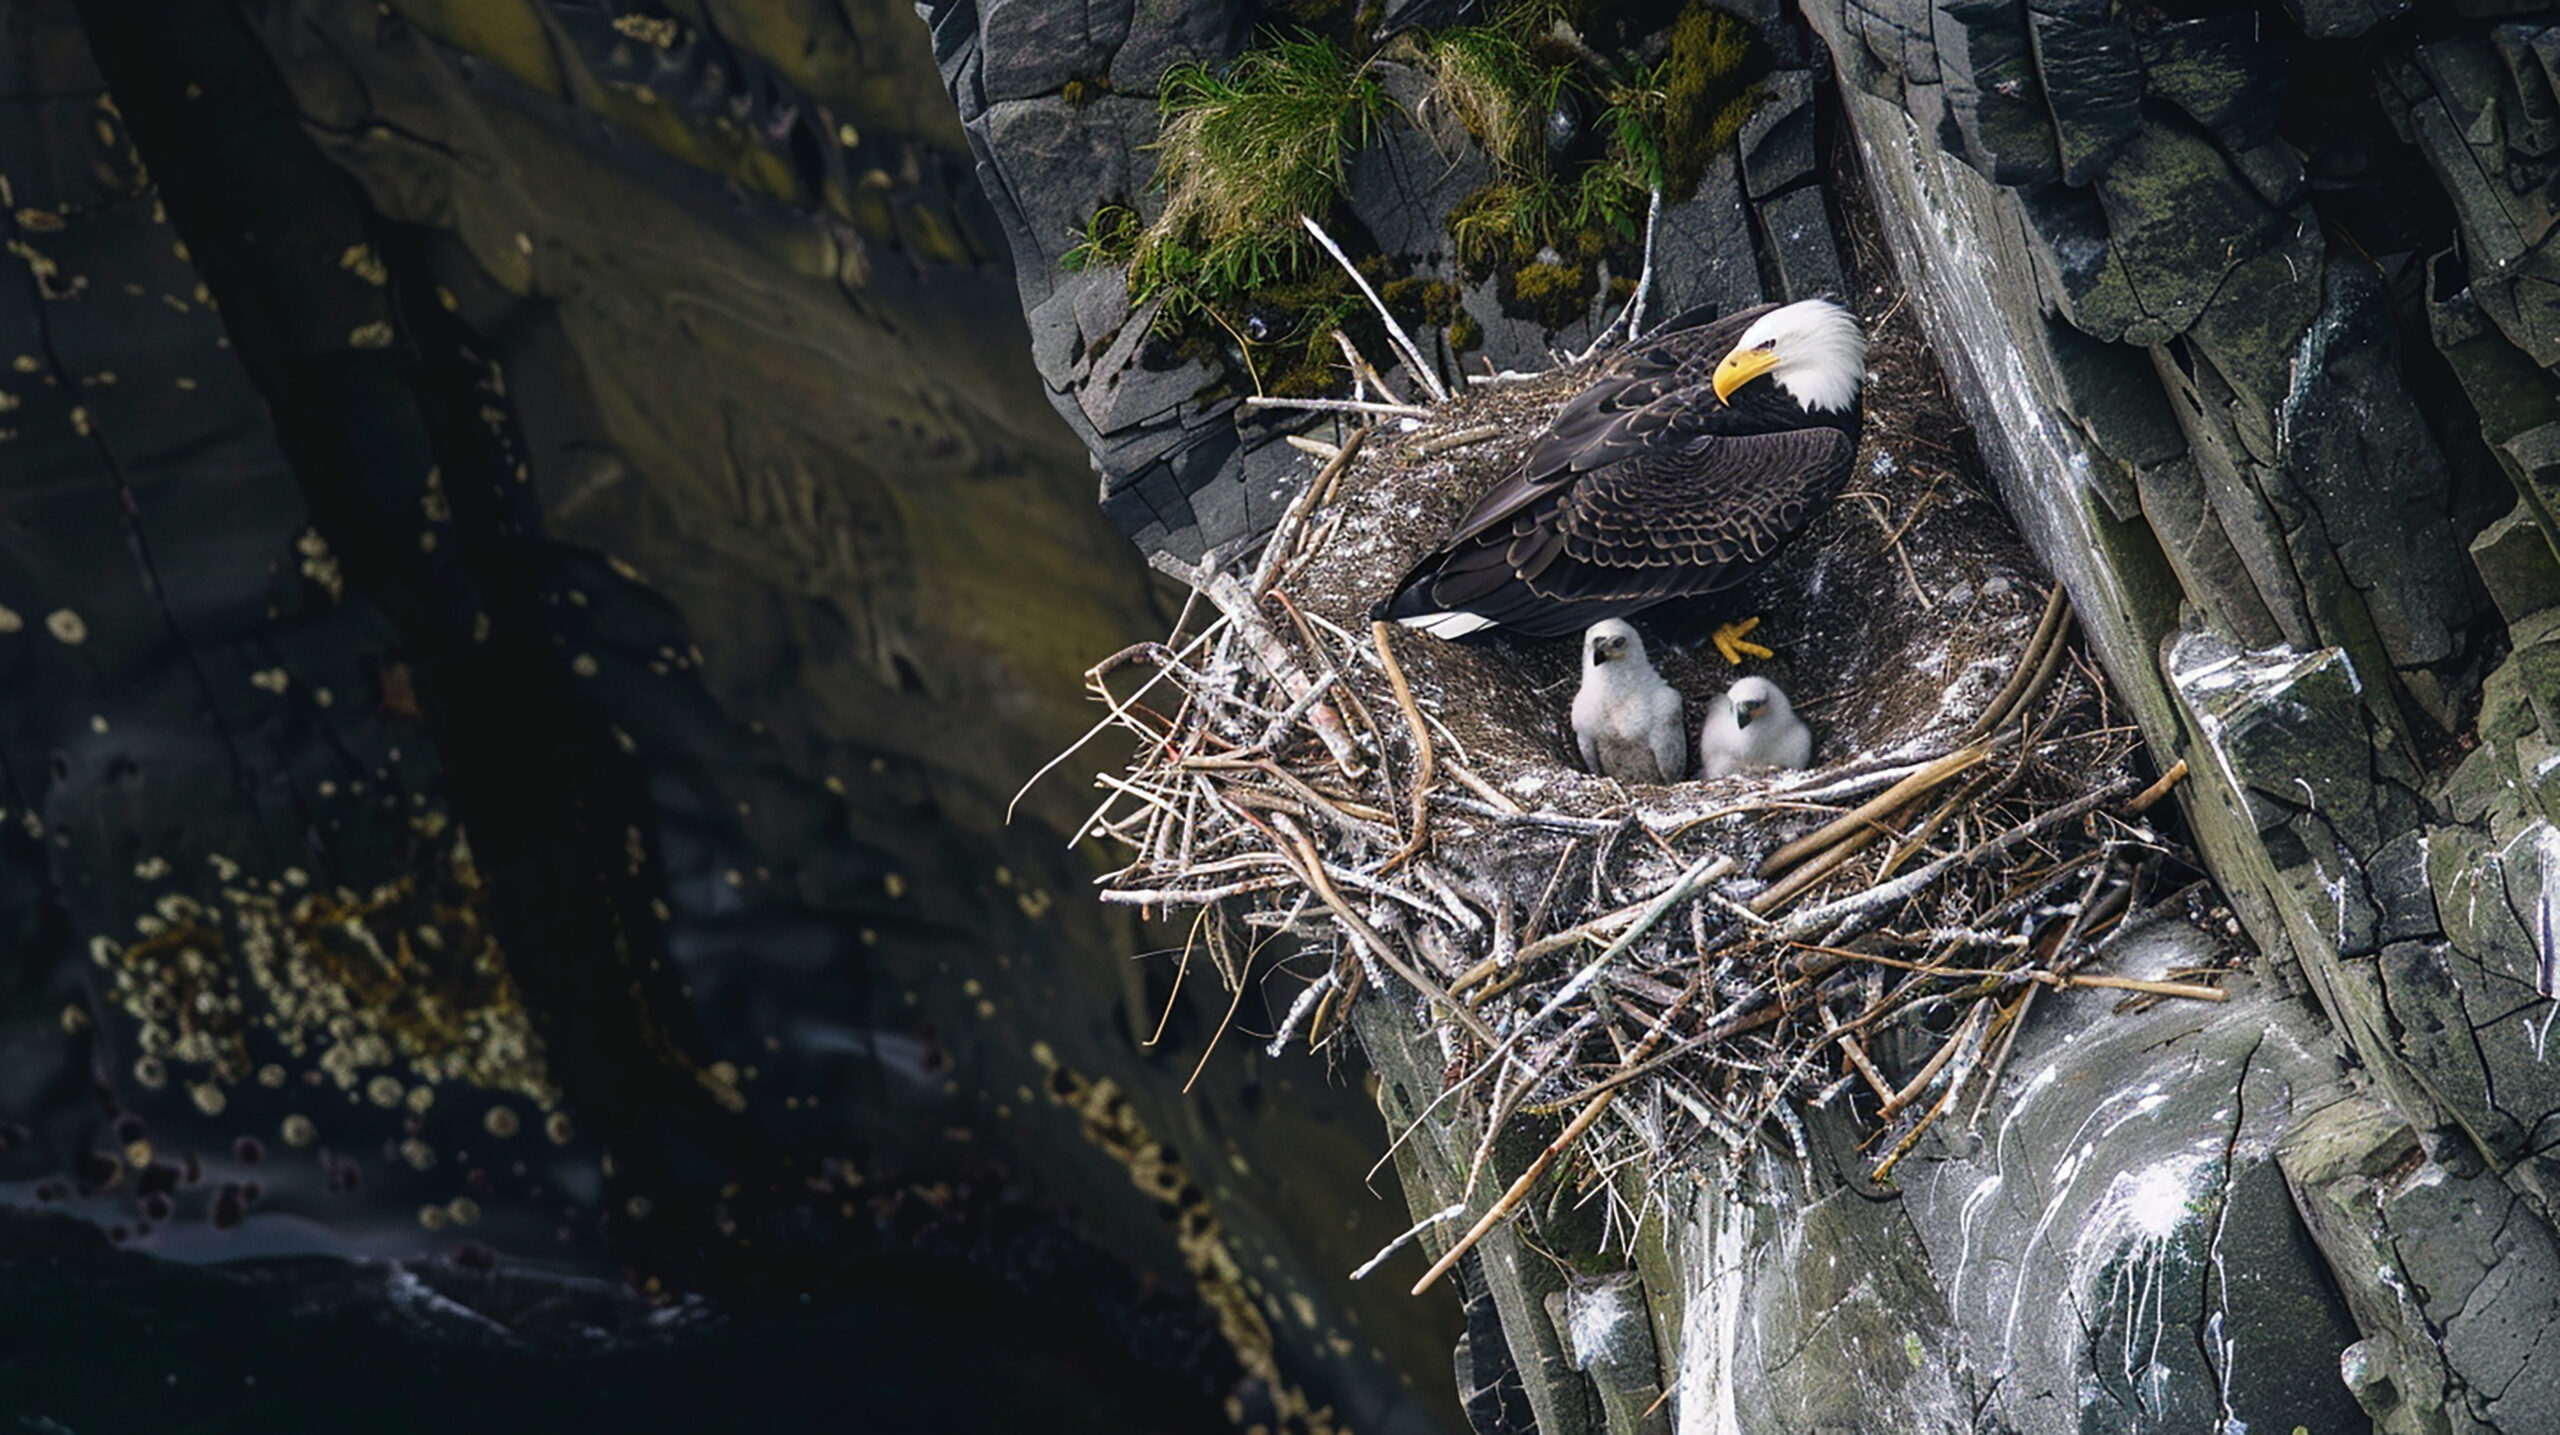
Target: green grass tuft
[{"x": 1243, "y": 153}]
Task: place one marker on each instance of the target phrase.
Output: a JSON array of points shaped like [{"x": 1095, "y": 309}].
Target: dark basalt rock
[
  {"x": 1996, "y": 116},
  {"x": 586, "y": 485},
  {"x": 2217, "y": 70},
  {"x": 2096, "y": 79}
]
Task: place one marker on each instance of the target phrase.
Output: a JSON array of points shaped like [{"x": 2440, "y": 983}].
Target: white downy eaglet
[
  {"x": 1751, "y": 726},
  {"x": 1626, "y": 719}
]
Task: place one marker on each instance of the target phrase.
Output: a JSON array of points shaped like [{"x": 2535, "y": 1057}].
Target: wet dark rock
[
  {"x": 1799, "y": 228},
  {"x": 2340, "y": 19},
  {"x": 1778, "y": 142},
  {"x": 671, "y": 452},
  {"x": 2181, "y": 221},
  {"x": 1996, "y": 116},
  {"x": 2209, "y": 568},
  {"x": 2095, "y": 78},
  {"x": 2217, "y": 69},
  {"x": 2516, "y": 562}
]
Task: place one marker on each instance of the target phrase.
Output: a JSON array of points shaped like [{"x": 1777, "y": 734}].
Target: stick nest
[{"x": 1669, "y": 967}]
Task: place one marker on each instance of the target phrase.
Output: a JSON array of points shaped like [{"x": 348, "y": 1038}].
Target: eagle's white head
[{"x": 1813, "y": 349}]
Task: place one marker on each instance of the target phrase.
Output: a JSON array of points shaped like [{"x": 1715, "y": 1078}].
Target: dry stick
[
  {"x": 1779, "y": 894},
  {"x": 1938, "y": 1063},
  {"x": 1866, "y": 1067},
  {"x": 2016, "y": 1022},
  {"x": 2037, "y": 686},
  {"x": 1199, "y": 787},
  {"x": 1631, "y": 318},
  {"x": 1902, "y": 887},
  {"x": 1506, "y": 1105},
  {"x": 1119, "y": 708},
  {"x": 1318, "y": 447},
  {"x": 1165, "y": 1018},
  {"x": 1423, "y": 373},
  {"x": 1242, "y": 610},
  {"x": 1426, "y": 1223},
  {"x": 2056, "y": 605},
  {"x": 1482, "y": 788},
  {"x": 1186, "y": 897},
  {"x": 2133, "y": 984},
  {"x": 1361, "y": 368},
  {"x": 1869, "y": 816},
  {"x": 1421, "y": 742},
  {"x": 1276, "y": 548},
  {"x": 2149, "y": 797},
  {"x": 1750, "y": 1020},
  {"x": 2017, "y": 1016},
  {"x": 1311, "y": 868},
  {"x": 1339, "y": 814},
  {"x": 1349, "y": 692},
  {"x": 1462, "y": 438},
  {"x": 1575, "y": 935},
  {"x": 1928, "y": 828},
  {"x": 1553, "y": 821},
  {"x": 1884, "y": 1169},
  {"x": 1853, "y": 839},
  {"x": 1223, "y": 1023},
  {"x": 1449, "y": 896},
  {"x": 1340, "y": 406},
  {"x": 1519, "y": 1189},
  {"x": 1704, "y": 869}
]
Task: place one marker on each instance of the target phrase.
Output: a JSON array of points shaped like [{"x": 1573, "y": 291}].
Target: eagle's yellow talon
[{"x": 1732, "y": 642}]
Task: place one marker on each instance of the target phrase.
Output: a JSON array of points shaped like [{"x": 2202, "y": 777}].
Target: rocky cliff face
[
  {"x": 2244, "y": 342},
  {"x": 532, "y": 582},
  {"x": 2249, "y": 312}
]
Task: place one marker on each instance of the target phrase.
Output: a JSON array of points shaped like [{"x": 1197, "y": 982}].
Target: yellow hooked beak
[{"x": 1741, "y": 367}]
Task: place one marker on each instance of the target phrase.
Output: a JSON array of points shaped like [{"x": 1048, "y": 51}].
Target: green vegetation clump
[
  {"x": 1657, "y": 126},
  {"x": 1245, "y": 149},
  {"x": 1705, "y": 89},
  {"x": 1242, "y": 154},
  {"x": 1554, "y": 293}
]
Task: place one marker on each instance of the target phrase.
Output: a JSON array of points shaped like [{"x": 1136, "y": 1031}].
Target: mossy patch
[
  {"x": 1708, "y": 86},
  {"x": 1579, "y": 140},
  {"x": 1244, "y": 153},
  {"x": 1554, "y": 294},
  {"x": 1418, "y": 300},
  {"x": 1082, "y": 91}
]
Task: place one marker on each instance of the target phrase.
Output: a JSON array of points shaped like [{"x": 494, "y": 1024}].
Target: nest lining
[{"x": 1635, "y": 958}]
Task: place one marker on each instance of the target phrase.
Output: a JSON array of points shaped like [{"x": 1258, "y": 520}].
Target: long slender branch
[{"x": 1423, "y": 373}]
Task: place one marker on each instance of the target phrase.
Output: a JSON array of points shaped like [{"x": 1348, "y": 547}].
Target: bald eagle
[{"x": 1693, "y": 456}]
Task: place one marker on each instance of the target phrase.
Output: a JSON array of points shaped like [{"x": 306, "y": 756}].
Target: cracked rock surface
[{"x": 2256, "y": 316}]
